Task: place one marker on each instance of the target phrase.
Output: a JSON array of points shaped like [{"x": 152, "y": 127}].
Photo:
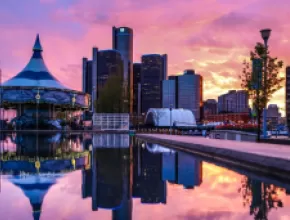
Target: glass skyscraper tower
[
  {"x": 153, "y": 72},
  {"x": 123, "y": 42}
]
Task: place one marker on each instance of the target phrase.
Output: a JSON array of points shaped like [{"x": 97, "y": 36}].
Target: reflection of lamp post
[
  {"x": 37, "y": 97},
  {"x": 1, "y": 96},
  {"x": 170, "y": 118},
  {"x": 265, "y": 34}
]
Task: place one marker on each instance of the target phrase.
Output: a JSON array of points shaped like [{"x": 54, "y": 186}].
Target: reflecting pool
[{"x": 114, "y": 176}]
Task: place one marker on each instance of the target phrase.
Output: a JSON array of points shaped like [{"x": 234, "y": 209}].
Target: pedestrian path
[{"x": 263, "y": 154}]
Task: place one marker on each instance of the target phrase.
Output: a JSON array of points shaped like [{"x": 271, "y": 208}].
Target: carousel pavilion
[{"x": 35, "y": 91}]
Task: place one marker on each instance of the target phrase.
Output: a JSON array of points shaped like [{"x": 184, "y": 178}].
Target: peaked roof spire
[{"x": 37, "y": 46}]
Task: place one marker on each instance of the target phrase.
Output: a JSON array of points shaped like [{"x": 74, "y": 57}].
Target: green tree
[
  {"x": 261, "y": 83},
  {"x": 110, "y": 99}
]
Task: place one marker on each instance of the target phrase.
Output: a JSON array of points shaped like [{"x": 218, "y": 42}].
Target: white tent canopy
[{"x": 162, "y": 117}]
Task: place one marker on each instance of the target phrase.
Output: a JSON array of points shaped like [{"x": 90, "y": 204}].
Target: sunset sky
[{"x": 211, "y": 36}]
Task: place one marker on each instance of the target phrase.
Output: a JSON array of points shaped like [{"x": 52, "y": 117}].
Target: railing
[{"x": 112, "y": 121}]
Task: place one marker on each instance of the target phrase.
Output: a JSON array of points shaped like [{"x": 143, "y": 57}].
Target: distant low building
[
  {"x": 210, "y": 107},
  {"x": 273, "y": 114},
  {"x": 233, "y": 102},
  {"x": 228, "y": 117}
]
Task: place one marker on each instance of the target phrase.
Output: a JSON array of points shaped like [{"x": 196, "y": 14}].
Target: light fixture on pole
[{"x": 265, "y": 34}]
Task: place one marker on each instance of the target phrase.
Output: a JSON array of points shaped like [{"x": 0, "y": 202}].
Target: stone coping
[
  {"x": 235, "y": 132},
  {"x": 268, "y": 158}
]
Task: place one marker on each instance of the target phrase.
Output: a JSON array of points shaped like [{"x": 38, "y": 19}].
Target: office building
[
  {"x": 136, "y": 88},
  {"x": 153, "y": 71},
  {"x": 97, "y": 71},
  {"x": 168, "y": 94},
  {"x": 189, "y": 87},
  {"x": 210, "y": 107},
  {"x": 233, "y": 102},
  {"x": 123, "y": 42},
  {"x": 288, "y": 97}
]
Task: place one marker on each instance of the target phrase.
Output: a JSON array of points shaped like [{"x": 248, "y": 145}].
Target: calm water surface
[{"x": 116, "y": 177}]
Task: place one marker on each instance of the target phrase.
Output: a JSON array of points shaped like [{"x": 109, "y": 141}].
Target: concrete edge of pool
[{"x": 274, "y": 166}]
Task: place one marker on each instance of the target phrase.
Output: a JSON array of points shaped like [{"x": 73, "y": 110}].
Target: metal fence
[
  {"x": 111, "y": 140},
  {"x": 112, "y": 121}
]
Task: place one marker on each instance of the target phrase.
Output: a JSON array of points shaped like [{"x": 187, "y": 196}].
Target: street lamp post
[
  {"x": 265, "y": 34},
  {"x": 170, "y": 130}
]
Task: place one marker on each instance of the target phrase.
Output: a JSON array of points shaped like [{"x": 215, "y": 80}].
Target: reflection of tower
[
  {"x": 182, "y": 168},
  {"x": 86, "y": 183},
  {"x": 169, "y": 165},
  {"x": 35, "y": 188},
  {"x": 87, "y": 176},
  {"x": 256, "y": 187},
  {"x": 153, "y": 188},
  {"x": 125, "y": 211},
  {"x": 137, "y": 177},
  {"x": 189, "y": 170},
  {"x": 111, "y": 181}
]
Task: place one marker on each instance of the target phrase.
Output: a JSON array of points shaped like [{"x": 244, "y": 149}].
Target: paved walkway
[{"x": 268, "y": 155}]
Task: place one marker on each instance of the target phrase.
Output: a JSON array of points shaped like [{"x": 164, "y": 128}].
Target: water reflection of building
[
  {"x": 189, "y": 172},
  {"x": 182, "y": 168},
  {"x": 35, "y": 168},
  {"x": 108, "y": 182},
  {"x": 30, "y": 153},
  {"x": 112, "y": 180},
  {"x": 35, "y": 189},
  {"x": 155, "y": 163},
  {"x": 152, "y": 185},
  {"x": 147, "y": 182}
]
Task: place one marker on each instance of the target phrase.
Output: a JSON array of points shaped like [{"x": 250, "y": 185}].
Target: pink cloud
[{"x": 208, "y": 32}]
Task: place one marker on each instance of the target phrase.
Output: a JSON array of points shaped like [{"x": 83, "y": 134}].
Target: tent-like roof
[
  {"x": 35, "y": 74},
  {"x": 163, "y": 117}
]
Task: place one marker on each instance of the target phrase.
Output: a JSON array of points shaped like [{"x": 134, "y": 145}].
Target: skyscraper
[
  {"x": 288, "y": 97},
  {"x": 168, "y": 94},
  {"x": 153, "y": 71},
  {"x": 190, "y": 93},
  {"x": 123, "y": 42},
  {"x": 97, "y": 71},
  {"x": 136, "y": 86},
  {"x": 90, "y": 76}
]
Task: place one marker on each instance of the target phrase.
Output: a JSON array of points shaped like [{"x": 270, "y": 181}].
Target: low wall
[{"x": 232, "y": 135}]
